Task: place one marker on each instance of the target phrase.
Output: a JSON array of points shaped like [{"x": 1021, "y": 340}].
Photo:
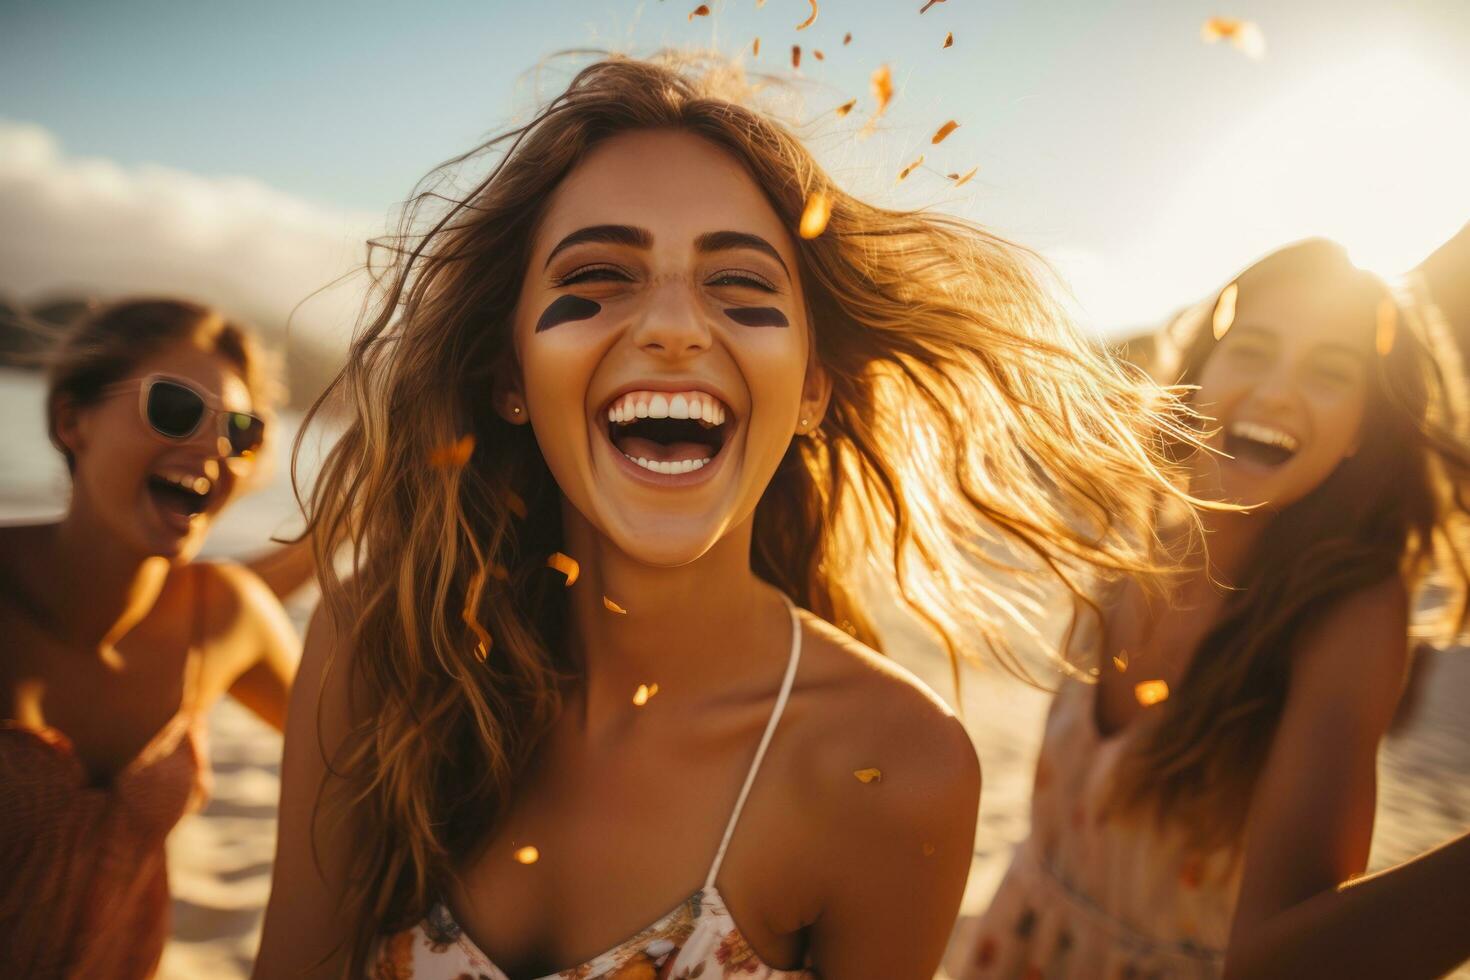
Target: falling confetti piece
[
  {"x": 472, "y": 618},
  {"x": 868, "y": 775},
  {"x": 1120, "y": 660},
  {"x": 881, "y": 83},
  {"x": 847, "y": 38},
  {"x": 644, "y": 692},
  {"x": 755, "y": 49},
  {"x": 796, "y": 56},
  {"x": 528, "y": 855},
  {"x": 845, "y": 108},
  {"x": 454, "y": 455},
  {"x": 948, "y": 40},
  {"x": 910, "y": 168},
  {"x": 944, "y": 131},
  {"x": 613, "y": 607},
  {"x": 1224, "y": 311},
  {"x": 1245, "y": 35},
  {"x": 926, "y": 6},
  {"x": 810, "y": 20},
  {"x": 1388, "y": 316},
  {"x": 964, "y": 178},
  {"x": 816, "y": 53},
  {"x": 565, "y": 564},
  {"x": 928, "y": 849},
  {"x": 1150, "y": 693},
  {"x": 814, "y": 216},
  {"x": 700, "y": 11},
  {"x": 515, "y": 504}
]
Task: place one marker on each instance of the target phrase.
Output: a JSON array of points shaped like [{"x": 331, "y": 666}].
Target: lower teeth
[{"x": 671, "y": 467}]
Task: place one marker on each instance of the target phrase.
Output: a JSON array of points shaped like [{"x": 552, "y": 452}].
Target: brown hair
[
  {"x": 1394, "y": 508},
  {"x": 105, "y": 346},
  {"x": 973, "y": 443}
]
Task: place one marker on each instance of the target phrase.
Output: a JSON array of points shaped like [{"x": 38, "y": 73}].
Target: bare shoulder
[
  {"x": 1355, "y": 657},
  {"x": 880, "y": 748},
  {"x": 242, "y": 621}
]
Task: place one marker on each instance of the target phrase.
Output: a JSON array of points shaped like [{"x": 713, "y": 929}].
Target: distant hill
[{"x": 27, "y": 333}]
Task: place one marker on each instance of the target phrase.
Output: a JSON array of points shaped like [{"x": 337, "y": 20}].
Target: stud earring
[
  {"x": 804, "y": 423},
  {"x": 515, "y": 410}
]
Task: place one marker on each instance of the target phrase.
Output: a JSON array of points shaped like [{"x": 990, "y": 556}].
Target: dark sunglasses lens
[
  {"x": 246, "y": 433},
  {"x": 174, "y": 410}
]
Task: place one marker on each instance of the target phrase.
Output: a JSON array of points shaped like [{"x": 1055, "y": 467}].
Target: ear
[
  {"x": 816, "y": 393},
  {"x": 507, "y": 393},
  {"x": 67, "y": 429}
]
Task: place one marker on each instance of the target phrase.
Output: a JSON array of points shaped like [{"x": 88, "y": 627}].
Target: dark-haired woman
[
  {"x": 1189, "y": 805},
  {"x": 116, "y": 643}
]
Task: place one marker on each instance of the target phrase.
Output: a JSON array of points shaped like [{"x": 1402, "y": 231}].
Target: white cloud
[{"x": 76, "y": 225}]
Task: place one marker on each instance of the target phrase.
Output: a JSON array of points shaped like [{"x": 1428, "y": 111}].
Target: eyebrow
[
  {"x": 714, "y": 241},
  {"x": 1327, "y": 347}
]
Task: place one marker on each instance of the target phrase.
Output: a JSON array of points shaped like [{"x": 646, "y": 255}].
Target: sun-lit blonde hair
[{"x": 973, "y": 442}]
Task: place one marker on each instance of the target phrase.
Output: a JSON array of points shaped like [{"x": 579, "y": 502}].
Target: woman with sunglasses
[{"x": 116, "y": 643}]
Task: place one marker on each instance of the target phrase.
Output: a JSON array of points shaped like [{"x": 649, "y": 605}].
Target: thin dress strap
[{"x": 760, "y": 752}]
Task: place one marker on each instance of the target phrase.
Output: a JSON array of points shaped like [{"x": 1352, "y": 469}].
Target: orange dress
[{"x": 83, "y": 877}]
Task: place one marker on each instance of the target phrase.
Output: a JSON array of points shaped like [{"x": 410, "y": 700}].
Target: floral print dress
[
  {"x": 1092, "y": 894},
  {"x": 697, "y": 939}
]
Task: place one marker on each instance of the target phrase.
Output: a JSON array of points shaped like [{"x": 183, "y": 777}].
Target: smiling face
[
  {"x": 663, "y": 344},
  {"x": 1287, "y": 386},
  {"x": 158, "y": 496}
]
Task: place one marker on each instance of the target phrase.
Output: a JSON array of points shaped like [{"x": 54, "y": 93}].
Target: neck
[
  {"x": 695, "y": 630},
  {"x": 1230, "y": 538},
  {"x": 121, "y": 586}
]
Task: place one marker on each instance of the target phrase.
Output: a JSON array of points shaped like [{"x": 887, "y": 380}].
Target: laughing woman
[
  {"x": 601, "y": 699},
  {"x": 116, "y": 643},
  {"x": 1196, "y": 811}
]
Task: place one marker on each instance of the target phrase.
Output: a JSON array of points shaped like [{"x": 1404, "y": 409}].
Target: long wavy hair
[
  {"x": 1396, "y": 507},
  {"x": 973, "y": 442}
]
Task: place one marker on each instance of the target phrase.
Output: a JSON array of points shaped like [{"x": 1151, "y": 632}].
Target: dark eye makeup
[{"x": 565, "y": 309}]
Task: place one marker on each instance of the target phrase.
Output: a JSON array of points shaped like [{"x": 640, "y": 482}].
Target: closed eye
[
  {"x": 735, "y": 277},
  {"x": 593, "y": 273}
]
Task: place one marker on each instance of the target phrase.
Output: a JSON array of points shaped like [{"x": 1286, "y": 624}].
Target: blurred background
[{"x": 242, "y": 155}]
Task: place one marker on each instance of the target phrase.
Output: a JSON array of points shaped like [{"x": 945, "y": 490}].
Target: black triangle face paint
[
  {"x": 758, "y": 316},
  {"x": 565, "y": 309}
]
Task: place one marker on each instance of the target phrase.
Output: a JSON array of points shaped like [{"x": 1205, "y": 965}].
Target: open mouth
[
  {"x": 179, "y": 494},
  {"x": 1264, "y": 445},
  {"x": 668, "y": 432}
]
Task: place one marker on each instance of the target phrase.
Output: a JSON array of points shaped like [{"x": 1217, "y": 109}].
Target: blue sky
[{"x": 1146, "y": 163}]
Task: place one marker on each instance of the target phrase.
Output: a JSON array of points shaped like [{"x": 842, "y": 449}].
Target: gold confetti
[
  {"x": 944, "y": 131},
  {"x": 755, "y": 49},
  {"x": 948, "y": 40},
  {"x": 910, "y": 168},
  {"x": 810, "y": 20},
  {"x": 847, "y": 38},
  {"x": 816, "y": 53},
  {"x": 845, "y": 108},
  {"x": 868, "y": 775},
  {"x": 515, "y": 504},
  {"x": 1150, "y": 693},
  {"x": 613, "y": 607},
  {"x": 815, "y": 215},
  {"x": 700, "y": 11},
  {"x": 1245, "y": 35},
  {"x": 796, "y": 56},
  {"x": 1388, "y": 316},
  {"x": 565, "y": 564},
  {"x": 928, "y": 5},
  {"x": 644, "y": 692},
  {"x": 1224, "y": 311},
  {"x": 471, "y": 616},
  {"x": 528, "y": 855},
  {"x": 961, "y": 179},
  {"x": 454, "y": 455},
  {"x": 881, "y": 83},
  {"x": 1120, "y": 660}
]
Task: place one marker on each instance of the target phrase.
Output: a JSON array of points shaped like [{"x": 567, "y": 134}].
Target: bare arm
[
  {"x": 1311, "y": 818},
  {"x": 267, "y": 644},
  {"x": 287, "y": 568},
  {"x": 901, "y": 852},
  {"x": 302, "y": 924}
]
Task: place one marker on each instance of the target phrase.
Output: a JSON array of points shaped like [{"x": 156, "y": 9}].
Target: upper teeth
[
  {"x": 696, "y": 405},
  {"x": 186, "y": 481},
  {"x": 1264, "y": 433}
]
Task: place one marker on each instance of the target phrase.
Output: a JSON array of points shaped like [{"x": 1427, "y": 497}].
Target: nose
[{"x": 673, "y": 325}]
